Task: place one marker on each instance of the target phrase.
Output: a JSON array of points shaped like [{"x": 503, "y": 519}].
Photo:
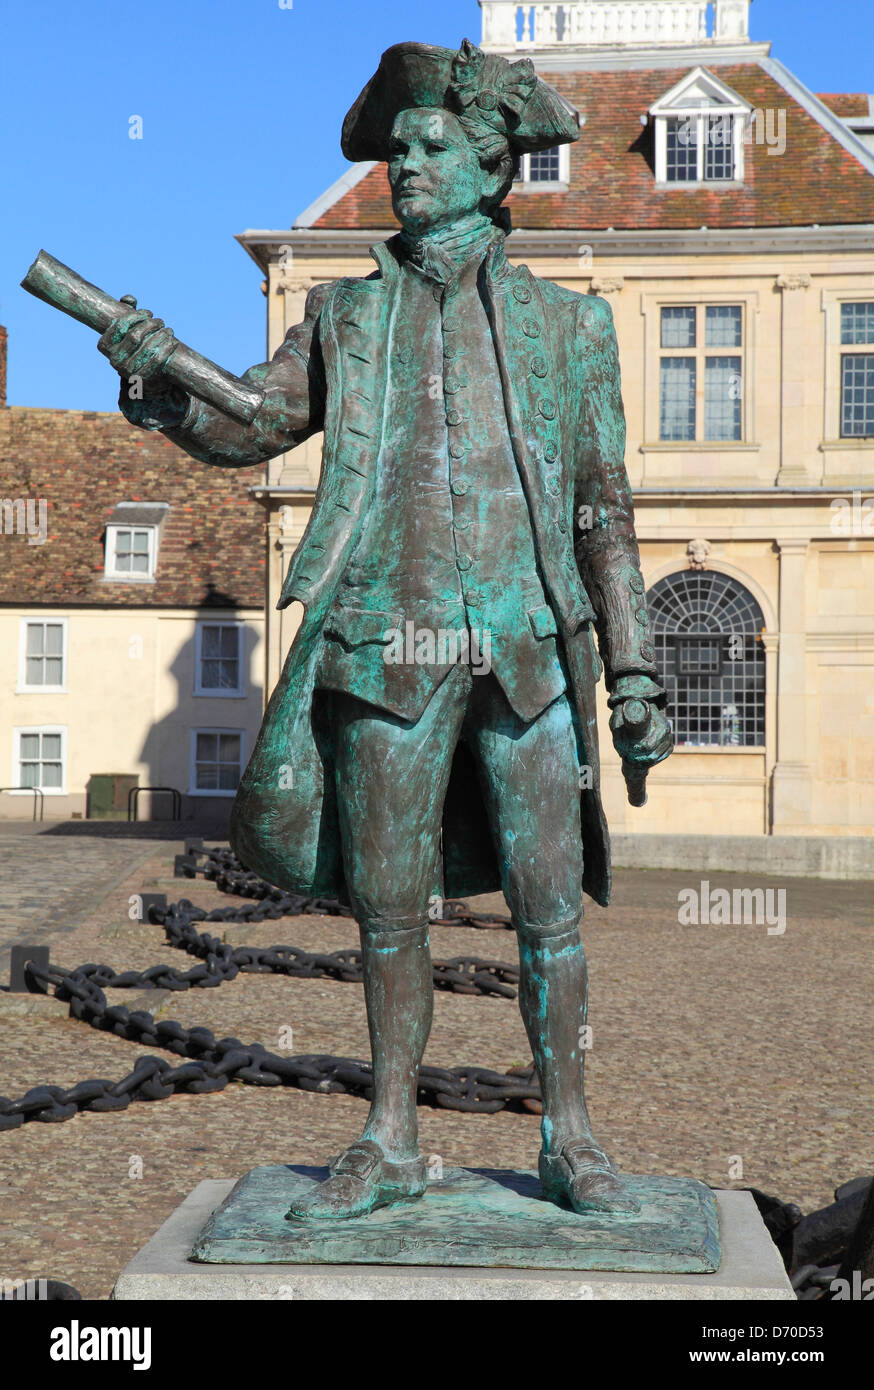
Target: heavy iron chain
[
  {"x": 214, "y": 1063},
  {"x": 460, "y": 975}
]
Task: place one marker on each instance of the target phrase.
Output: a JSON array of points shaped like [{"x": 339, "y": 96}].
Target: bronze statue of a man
[{"x": 433, "y": 731}]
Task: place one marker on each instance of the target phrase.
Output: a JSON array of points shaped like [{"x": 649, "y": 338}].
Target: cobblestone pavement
[
  {"x": 49, "y": 882},
  {"x": 711, "y": 1044}
]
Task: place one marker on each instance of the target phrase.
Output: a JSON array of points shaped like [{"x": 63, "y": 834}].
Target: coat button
[
  {"x": 460, "y": 487},
  {"x": 451, "y": 385},
  {"x": 538, "y": 366},
  {"x": 531, "y": 328},
  {"x": 642, "y": 617},
  {"x": 457, "y": 451},
  {"x": 553, "y": 482},
  {"x": 450, "y": 325},
  {"x": 450, "y": 350},
  {"x": 636, "y": 584},
  {"x": 550, "y": 452},
  {"x": 464, "y": 562},
  {"x": 522, "y": 293},
  {"x": 562, "y": 525},
  {"x": 453, "y": 417},
  {"x": 473, "y": 596},
  {"x": 546, "y": 408},
  {"x": 647, "y": 651}
]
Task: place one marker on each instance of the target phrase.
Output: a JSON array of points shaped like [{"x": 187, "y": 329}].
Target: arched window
[{"x": 708, "y": 638}]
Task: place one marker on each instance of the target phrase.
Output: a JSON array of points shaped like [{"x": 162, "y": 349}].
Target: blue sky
[{"x": 241, "y": 103}]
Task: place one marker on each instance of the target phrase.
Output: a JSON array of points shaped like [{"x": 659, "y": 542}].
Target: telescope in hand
[
  {"x": 636, "y": 717},
  {"x": 61, "y": 287}
]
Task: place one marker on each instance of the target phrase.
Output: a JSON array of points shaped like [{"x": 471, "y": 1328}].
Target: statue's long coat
[{"x": 556, "y": 351}]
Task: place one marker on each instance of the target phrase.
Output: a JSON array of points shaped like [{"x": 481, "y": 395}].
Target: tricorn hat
[{"x": 495, "y": 99}]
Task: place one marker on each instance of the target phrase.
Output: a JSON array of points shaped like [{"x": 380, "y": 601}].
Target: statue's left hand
[
  {"x": 648, "y": 747},
  {"x": 640, "y": 746}
]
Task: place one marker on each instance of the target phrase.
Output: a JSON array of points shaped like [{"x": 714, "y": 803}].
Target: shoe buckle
[{"x": 358, "y": 1163}]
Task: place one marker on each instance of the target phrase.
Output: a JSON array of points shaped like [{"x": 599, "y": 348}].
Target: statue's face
[{"x": 435, "y": 174}]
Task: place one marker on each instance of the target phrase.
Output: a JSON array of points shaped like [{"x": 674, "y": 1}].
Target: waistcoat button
[
  {"x": 546, "y": 408},
  {"x": 522, "y": 293}
]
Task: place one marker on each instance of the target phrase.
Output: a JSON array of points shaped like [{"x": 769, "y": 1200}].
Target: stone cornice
[{"x": 264, "y": 246}]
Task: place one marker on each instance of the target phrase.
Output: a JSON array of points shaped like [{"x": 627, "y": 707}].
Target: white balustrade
[{"x": 507, "y": 24}]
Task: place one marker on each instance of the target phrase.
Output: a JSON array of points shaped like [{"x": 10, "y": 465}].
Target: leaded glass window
[{"x": 707, "y": 630}]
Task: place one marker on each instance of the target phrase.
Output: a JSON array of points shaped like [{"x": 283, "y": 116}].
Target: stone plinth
[{"x": 750, "y": 1266}]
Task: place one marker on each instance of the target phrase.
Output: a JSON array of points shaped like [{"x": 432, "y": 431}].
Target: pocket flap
[
  {"x": 355, "y": 626},
  {"x": 542, "y": 621}
]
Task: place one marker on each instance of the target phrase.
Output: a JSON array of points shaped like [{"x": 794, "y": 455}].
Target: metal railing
[
  {"x": 37, "y": 794},
  {"x": 133, "y": 795}
]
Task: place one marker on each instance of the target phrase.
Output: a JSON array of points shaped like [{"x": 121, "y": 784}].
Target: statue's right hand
[{"x": 137, "y": 345}]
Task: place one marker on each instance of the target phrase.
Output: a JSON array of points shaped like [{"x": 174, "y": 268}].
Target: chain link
[{"x": 212, "y": 1063}]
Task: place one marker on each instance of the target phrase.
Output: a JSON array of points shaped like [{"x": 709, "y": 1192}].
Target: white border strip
[{"x": 819, "y": 111}]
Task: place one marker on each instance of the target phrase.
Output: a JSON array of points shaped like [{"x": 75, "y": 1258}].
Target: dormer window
[
  {"x": 132, "y": 534},
  {"x": 699, "y": 132},
  {"x": 546, "y": 171}
]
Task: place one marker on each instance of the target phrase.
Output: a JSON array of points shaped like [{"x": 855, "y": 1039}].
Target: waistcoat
[{"x": 445, "y": 568}]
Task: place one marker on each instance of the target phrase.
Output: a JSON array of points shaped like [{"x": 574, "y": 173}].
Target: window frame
[
  {"x": 193, "y": 789},
  {"x": 129, "y": 576},
  {"x": 524, "y": 183},
  {"x": 23, "y": 688},
  {"x": 712, "y": 100},
  {"x": 699, "y": 355},
  {"x": 208, "y": 692},
  {"x": 41, "y": 729},
  {"x": 845, "y": 350},
  {"x": 700, "y": 116},
  {"x": 833, "y": 441},
  {"x": 763, "y": 708}
]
